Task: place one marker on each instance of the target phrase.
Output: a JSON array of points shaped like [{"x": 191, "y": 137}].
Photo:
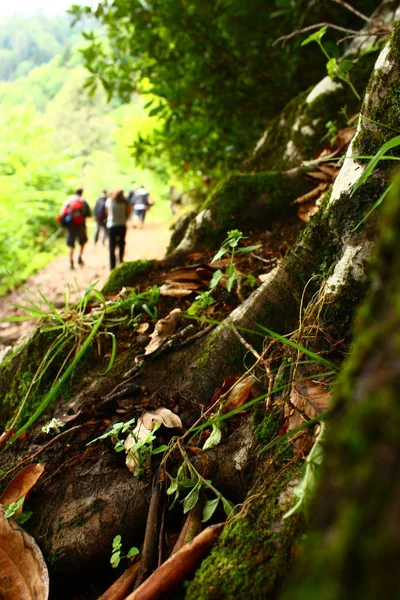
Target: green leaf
[
  {"x": 219, "y": 254},
  {"x": 216, "y": 278},
  {"x": 332, "y": 68},
  {"x": 115, "y": 559},
  {"x": 393, "y": 143},
  {"x": 304, "y": 491},
  {"x": 23, "y": 517},
  {"x": 116, "y": 542},
  {"x": 231, "y": 281},
  {"x": 228, "y": 506},
  {"x": 132, "y": 552},
  {"x": 12, "y": 508},
  {"x": 172, "y": 487},
  {"x": 316, "y": 36},
  {"x": 209, "y": 509},
  {"x": 376, "y": 204},
  {"x": 214, "y": 439},
  {"x": 249, "y": 248},
  {"x": 192, "y": 498},
  {"x": 160, "y": 449}
]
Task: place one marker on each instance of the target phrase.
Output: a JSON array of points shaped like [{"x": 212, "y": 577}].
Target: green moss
[
  {"x": 246, "y": 201},
  {"x": 310, "y": 120},
  {"x": 265, "y": 431},
  {"x": 125, "y": 275},
  {"x": 383, "y": 106},
  {"x": 254, "y": 552}
]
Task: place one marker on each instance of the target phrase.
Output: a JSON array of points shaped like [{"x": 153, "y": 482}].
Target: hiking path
[{"x": 52, "y": 281}]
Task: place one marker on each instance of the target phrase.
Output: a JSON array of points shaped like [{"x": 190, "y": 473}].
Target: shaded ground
[{"x": 146, "y": 243}]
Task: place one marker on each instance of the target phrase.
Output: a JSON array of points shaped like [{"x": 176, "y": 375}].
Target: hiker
[
  {"x": 100, "y": 217},
  {"x": 73, "y": 216},
  {"x": 141, "y": 202},
  {"x": 117, "y": 211}
]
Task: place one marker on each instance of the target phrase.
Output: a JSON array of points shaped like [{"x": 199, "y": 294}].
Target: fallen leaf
[
  {"x": 239, "y": 394},
  {"x": 310, "y": 398},
  {"x": 161, "y": 415},
  {"x": 22, "y": 483},
  {"x": 168, "y": 289},
  {"x": 23, "y": 571},
  {"x": 143, "y": 327},
  {"x": 5, "y": 436},
  {"x": 307, "y": 399},
  {"x": 139, "y": 434},
  {"x": 163, "y": 330}
]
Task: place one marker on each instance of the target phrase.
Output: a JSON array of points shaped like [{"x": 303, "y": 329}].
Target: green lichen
[
  {"x": 310, "y": 120},
  {"x": 383, "y": 108},
  {"x": 125, "y": 275},
  {"x": 254, "y": 552}
]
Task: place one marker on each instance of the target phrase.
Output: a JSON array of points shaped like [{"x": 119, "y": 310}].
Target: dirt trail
[{"x": 146, "y": 243}]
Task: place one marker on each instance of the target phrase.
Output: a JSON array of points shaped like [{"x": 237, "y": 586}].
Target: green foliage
[
  {"x": 12, "y": 510},
  {"x": 190, "y": 487},
  {"x": 230, "y": 247},
  {"x": 201, "y": 303},
  {"x": 118, "y": 554},
  {"x": 198, "y": 58},
  {"x": 336, "y": 70}
]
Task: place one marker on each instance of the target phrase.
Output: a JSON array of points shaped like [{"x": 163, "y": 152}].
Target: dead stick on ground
[
  {"x": 123, "y": 585},
  {"x": 150, "y": 544},
  {"x": 179, "y": 566},
  {"x": 190, "y": 529}
]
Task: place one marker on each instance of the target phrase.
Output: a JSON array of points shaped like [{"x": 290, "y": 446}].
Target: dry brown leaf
[
  {"x": 309, "y": 397},
  {"x": 161, "y": 415},
  {"x": 22, "y": 483},
  {"x": 320, "y": 176},
  {"x": 163, "y": 330},
  {"x": 23, "y": 571},
  {"x": 184, "y": 274},
  {"x": 143, "y": 327},
  {"x": 239, "y": 394},
  {"x": 173, "y": 291}
]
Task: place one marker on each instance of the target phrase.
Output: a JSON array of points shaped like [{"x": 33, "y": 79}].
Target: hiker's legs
[
  {"x": 121, "y": 243},
  {"x": 112, "y": 239},
  {"x": 71, "y": 234},
  {"x": 141, "y": 215},
  {"x": 82, "y": 242},
  {"x": 96, "y": 233},
  {"x": 105, "y": 233}
]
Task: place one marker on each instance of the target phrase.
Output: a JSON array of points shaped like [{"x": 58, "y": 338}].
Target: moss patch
[
  {"x": 125, "y": 275},
  {"x": 254, "y": 552}
]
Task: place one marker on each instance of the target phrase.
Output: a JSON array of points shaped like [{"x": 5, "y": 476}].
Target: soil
[{"x": 147, "y": 243}]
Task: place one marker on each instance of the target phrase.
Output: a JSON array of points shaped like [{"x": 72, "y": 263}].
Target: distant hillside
[{"x": 28, "y": 42}]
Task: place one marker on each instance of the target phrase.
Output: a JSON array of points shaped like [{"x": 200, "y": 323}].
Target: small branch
[
  {"x": 361, "y": 15},
  {"x": 283, "y": 38},
  {"x": 150, "y": 544},
  {"x": 122, "y": 586}
]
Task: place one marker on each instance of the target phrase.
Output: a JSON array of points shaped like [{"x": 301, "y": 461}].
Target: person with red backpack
[{"x": 73, "y": 216}]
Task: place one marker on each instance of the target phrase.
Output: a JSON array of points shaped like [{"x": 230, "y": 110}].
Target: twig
[
  {"x": 29, "y": 458},
  {"x": 150, "y": 543},
  {"x": 310, "y": 28},
  {"x": 361, "y": 15},
  {"x": 266, "y": 260},
  {"x": 178, "y": 567},
  {"x": 161, "y": 536},
  {"x": 122, "y": 586}
]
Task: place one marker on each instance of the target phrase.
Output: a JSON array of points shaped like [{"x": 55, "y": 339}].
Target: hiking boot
[{"x": 80, "y": 261}]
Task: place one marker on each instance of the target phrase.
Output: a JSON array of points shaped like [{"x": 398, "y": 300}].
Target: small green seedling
[
  {"x": 336, "y": 70},
  {"x": 117, "y": 553},
  {"x": 143, "y": 450},
  {"x": 12, "y": 509},
  {"x": 201, "y": 303},
  {"x": 230, "y": 247},
  {"x": 116, "y": 430}
]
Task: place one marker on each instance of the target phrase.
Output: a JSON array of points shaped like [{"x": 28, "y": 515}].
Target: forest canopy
[{"x": 203, "y": 57}]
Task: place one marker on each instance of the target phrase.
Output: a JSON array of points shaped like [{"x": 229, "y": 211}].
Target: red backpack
[{"x": 75, "y": 210}]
